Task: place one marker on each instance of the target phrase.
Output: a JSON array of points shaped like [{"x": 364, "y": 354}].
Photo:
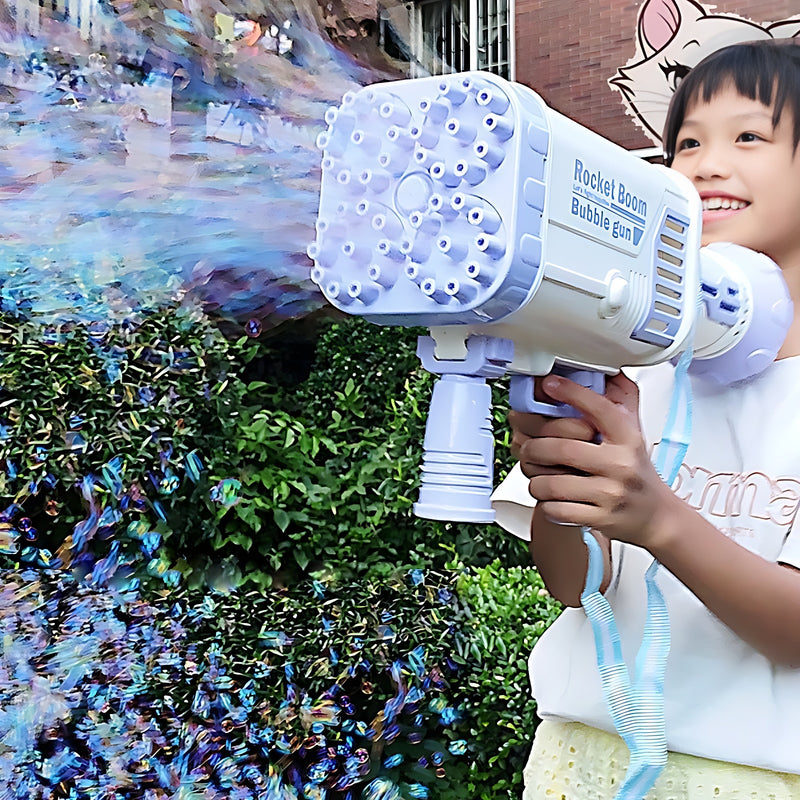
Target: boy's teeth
[{"x": 714, "y": 203}]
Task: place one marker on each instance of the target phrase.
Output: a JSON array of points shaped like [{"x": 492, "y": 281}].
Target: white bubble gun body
[{"x": 526, "y": 243}]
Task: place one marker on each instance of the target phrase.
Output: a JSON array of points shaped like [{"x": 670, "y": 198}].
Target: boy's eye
[
  {"x": 687, "y": 144},
  {"x": 748, "y": 137}
]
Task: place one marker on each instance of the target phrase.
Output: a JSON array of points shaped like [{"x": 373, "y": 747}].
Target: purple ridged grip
[{"x": 457, "y": 469}]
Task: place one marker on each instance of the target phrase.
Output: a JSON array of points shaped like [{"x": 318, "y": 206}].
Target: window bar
[
  {"x": 491, "y": 31},
  {"x": 474, "y": 28},
  {"x": 512, "y": 44},
  {"x": 451, "y": 42}
]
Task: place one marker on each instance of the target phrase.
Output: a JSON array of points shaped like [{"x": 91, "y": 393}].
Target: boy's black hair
[{"x": 767, "y": 71}]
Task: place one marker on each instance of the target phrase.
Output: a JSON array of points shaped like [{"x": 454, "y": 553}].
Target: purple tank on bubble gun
[{"x": 526, "y": 243}]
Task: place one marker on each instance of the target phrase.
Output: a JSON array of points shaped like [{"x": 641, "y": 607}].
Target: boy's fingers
[
  {"x": 535, "y": 426},
  {"x": 559, "y": 457},
  {"x": 525, "y": 425},
  {"x": 610, "y": 418},
  {"x": 620, "y": 389}
]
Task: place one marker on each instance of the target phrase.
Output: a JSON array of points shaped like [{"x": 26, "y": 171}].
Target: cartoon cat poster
[{"x": 672, "y": 36}]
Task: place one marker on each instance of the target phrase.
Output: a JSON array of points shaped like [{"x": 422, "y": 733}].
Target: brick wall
[{"x": 568, "y": 49}]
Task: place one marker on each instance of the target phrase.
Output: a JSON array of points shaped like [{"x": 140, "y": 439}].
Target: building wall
[{"x": 567, "y": 51}]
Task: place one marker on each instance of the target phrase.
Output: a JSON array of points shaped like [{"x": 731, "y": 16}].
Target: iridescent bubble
[
  {"x": 150, "y": 543},
  {"x": 415, "y": 694},
  {"x": 168, "y": 483},
  {"x": 381, "y": 789},
  {"x": 418, "y": 791},
  {"x": 437, "y": 759},
  {"x": 437, "y": 705},
  {"x": 225, "y": 492},
  {"x": 157, "y": 567},
  {"x": 172, "y": 577},
  {"x": 393, "y": 761},
  {"x": 321, "y": 770},
  {"x": 391, "y": 732},
  {"x": 450, "y": 715},
  {"x": 137, "y": 529},
  {"x": 29, "y": 533},
  {"x": 458, "y": 747},
  {"x": 193, "y": 466},
  {"x": 9, "y": 535},
  {"x": 313, "y": 791},
  {"x": 416, "y": 660},
  {"x": 40, "y": 455},
  {"x": 146, "y": 395},
  {"x": 253, "y": 328}
]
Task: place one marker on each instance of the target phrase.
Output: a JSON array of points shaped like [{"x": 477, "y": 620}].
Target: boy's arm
[
  {"x": 557, "y": 550},
  {"x": 562, "y": 558},
  {"x": 615, "y": 489}
]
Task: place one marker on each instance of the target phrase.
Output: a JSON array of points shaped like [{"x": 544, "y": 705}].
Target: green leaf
[{"x": 282, "y": 519}]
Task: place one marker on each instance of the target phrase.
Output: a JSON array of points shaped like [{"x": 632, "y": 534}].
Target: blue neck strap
[{"x": 637, "y": 707}]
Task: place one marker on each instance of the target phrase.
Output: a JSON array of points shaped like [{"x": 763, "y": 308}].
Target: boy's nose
[{"x": 712, "y": 163}]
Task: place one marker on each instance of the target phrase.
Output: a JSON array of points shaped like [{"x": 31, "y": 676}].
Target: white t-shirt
[{"x": 742, "y": 472}]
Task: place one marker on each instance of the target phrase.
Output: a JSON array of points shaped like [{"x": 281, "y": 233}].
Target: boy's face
[{"x": 746, "y": 173}]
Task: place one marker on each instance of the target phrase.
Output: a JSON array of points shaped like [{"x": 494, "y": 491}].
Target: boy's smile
[{"x": 746, "y": 173}]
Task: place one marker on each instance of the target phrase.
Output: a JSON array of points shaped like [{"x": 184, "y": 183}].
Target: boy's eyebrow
[{"x": 747, "y": 116}]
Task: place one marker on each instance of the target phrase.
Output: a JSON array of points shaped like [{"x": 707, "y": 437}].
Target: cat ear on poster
[{"x": 671, "y": 37}]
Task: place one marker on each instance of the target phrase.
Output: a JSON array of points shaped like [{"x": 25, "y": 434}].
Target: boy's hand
[
  {"x": 609, "y": 485},
  {"x": 536, "y": 426}
]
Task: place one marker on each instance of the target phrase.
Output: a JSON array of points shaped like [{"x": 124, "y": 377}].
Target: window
[{"x": 458, "y": 35}]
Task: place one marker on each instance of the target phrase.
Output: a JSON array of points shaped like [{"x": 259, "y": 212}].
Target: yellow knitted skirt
[{"x": 571, "y": 761}]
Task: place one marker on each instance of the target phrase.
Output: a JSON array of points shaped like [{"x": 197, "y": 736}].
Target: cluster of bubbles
[
  {"x": 125, "y": 190},
  {"x": 108, "y": 497},
  {"x": 113, "y": 209},
  {"x": 91, "y": 709}
]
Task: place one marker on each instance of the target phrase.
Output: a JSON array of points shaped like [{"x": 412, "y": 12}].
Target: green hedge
[{"x": 272, "y": 511}]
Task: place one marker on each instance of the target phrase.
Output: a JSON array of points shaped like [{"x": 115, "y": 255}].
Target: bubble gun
[{"x": 527, "y": 244}]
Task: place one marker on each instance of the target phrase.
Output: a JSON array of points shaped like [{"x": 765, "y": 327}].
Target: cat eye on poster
[{"x": 673, "y": 36}]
